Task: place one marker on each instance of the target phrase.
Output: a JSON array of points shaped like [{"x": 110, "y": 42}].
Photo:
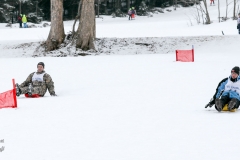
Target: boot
[
  {"x": 232, "y": 104},
  {"x": 30, "y": 89},
  {"x": 18, "y": 90},
  {"x": 218, "y": 105}
]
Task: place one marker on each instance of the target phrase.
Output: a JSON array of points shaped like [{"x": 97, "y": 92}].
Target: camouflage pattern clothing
[{"x": 38, "y": 87}]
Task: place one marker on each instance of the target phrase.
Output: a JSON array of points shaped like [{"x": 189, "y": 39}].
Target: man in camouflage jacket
[{"x": 37, "y": 83}]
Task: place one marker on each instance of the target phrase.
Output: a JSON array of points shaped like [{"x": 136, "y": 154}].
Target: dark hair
[{"x": 41, "y": 63}]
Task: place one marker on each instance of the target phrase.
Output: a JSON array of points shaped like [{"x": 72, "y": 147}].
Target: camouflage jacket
[{"x": 47, "y": 83}]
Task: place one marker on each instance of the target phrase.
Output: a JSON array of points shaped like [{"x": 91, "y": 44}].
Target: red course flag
[
  {"x": 9, "y": 98},
  {"x": 185, "y": 55}
]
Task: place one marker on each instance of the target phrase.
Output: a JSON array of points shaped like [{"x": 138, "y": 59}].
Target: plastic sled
[
  {"x": 33, "y": 96},
  {"x": 133, "y": 16},
  {"x": 225, "y": 108}
]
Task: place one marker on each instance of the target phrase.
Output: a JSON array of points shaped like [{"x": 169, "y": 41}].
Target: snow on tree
[{"x": 142, "y": 11}]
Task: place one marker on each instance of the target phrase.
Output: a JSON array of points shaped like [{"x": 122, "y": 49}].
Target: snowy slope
[
  {"x": 128, "y": 107},
  {"x": 121, "y": 107}
]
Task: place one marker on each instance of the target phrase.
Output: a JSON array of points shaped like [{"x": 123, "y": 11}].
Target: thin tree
[
  {"x": 56, "y": 35},
  {"x": 234, "y": 9},
  {"x": 105, "y": 7},
  {"x": 208, "y": 21},
  {"x": 227, "y": 4},
  {"x": 219, "y": 11}
]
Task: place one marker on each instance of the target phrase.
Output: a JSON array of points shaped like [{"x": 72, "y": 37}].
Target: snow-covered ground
[
  {"x": 172, "y": 30},
  {"x": 124, "y": 107}
]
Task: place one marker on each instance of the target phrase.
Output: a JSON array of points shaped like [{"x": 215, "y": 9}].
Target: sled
[
  {"x": 133, "y": 16},
  {"x": 33, "y": 96},
  {"x": 225, "y": 108}
]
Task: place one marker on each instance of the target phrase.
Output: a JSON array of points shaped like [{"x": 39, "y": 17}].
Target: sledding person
[
  {"x": 37, "y": 83},
  {"x": 238, "y": 23},
  {"x": 24, "y": 21},
  {"x": 20, "y": 20},
  {"x": 228, "y": 92}
]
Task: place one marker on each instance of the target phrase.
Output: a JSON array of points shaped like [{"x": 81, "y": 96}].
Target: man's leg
[
  {"x": 24, "y": 90},
  {"x": 234, "y": 103},
  {"x": 34, "y": 90},
  {"x": 220, "y": 103},
  {"x": 39, "y": 90}
]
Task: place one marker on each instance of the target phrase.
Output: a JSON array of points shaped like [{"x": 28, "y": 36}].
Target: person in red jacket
[
  {"x": 211, "y": 2},
  {"x": 20, "y": 21}
]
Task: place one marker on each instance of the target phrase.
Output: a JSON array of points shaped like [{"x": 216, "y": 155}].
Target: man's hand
[
  {"x": 53, "y": 94},
  {"x": 211, "y": 103}
]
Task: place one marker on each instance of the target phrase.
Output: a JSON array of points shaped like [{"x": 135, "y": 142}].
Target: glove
[
  {"x": 53, "y": 94},
  {"x": 211, "y": 103}
]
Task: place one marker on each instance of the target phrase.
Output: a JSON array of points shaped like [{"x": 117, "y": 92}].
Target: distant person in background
[
  {"x": 24, "y": 21},
  {"x": 133, "y": 12},
  {"x": 20, "y": 20},
  {"x": 211, "y": 2},
  {"x": 238, "y": 23},
  {"x": 130, "y": 13}
]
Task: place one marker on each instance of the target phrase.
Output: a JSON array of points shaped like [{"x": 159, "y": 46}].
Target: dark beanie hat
[
  {"x": 235, "y": 69},
  {"x": 41, "y": 63}
]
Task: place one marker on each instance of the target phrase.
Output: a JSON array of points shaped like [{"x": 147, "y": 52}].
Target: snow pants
[
  {"x": 225, "y": 100},
  {"x": 35, "y": 90},
  {"x": 130, "y": 17},
  {"x": 20, "y": 24}
]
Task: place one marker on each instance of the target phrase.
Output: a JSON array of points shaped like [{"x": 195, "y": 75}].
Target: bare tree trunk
[
  {"x": 208, "y": 21},
  {"x": 128, "y": 4},
  {"x": 76, "y": 18},
  {"x": 56, "y": 35},
  {"x": 106, "y": 12},
  {"x": 238, "y": 9},
  {"x": 202, "y": 12},
  {"x": 175, "y": 3},
  {"x": 98, "y": 7},
  {"x": 198, "y": 15},
  {"x": 118, "y": 4},
  {"x": 20, "y": 7},
  {"x": 87, "y": 27},
  {"x": 219, "y": 11},
  {"x": 234, "y": 9},
  {"x": 226, "y": 9}
]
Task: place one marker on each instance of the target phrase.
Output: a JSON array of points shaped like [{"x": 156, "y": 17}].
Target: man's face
[
  {"x": 40, "y": 68},
  {"x": 234, "y": 75}
]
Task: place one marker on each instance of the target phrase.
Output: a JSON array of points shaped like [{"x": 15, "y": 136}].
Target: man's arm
[
  {"x": 50, "y": 84},
  {"x": 220, "y": 88},
  {"x": 218, "y": 92},
  {"x": 27, "y": 81}
]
